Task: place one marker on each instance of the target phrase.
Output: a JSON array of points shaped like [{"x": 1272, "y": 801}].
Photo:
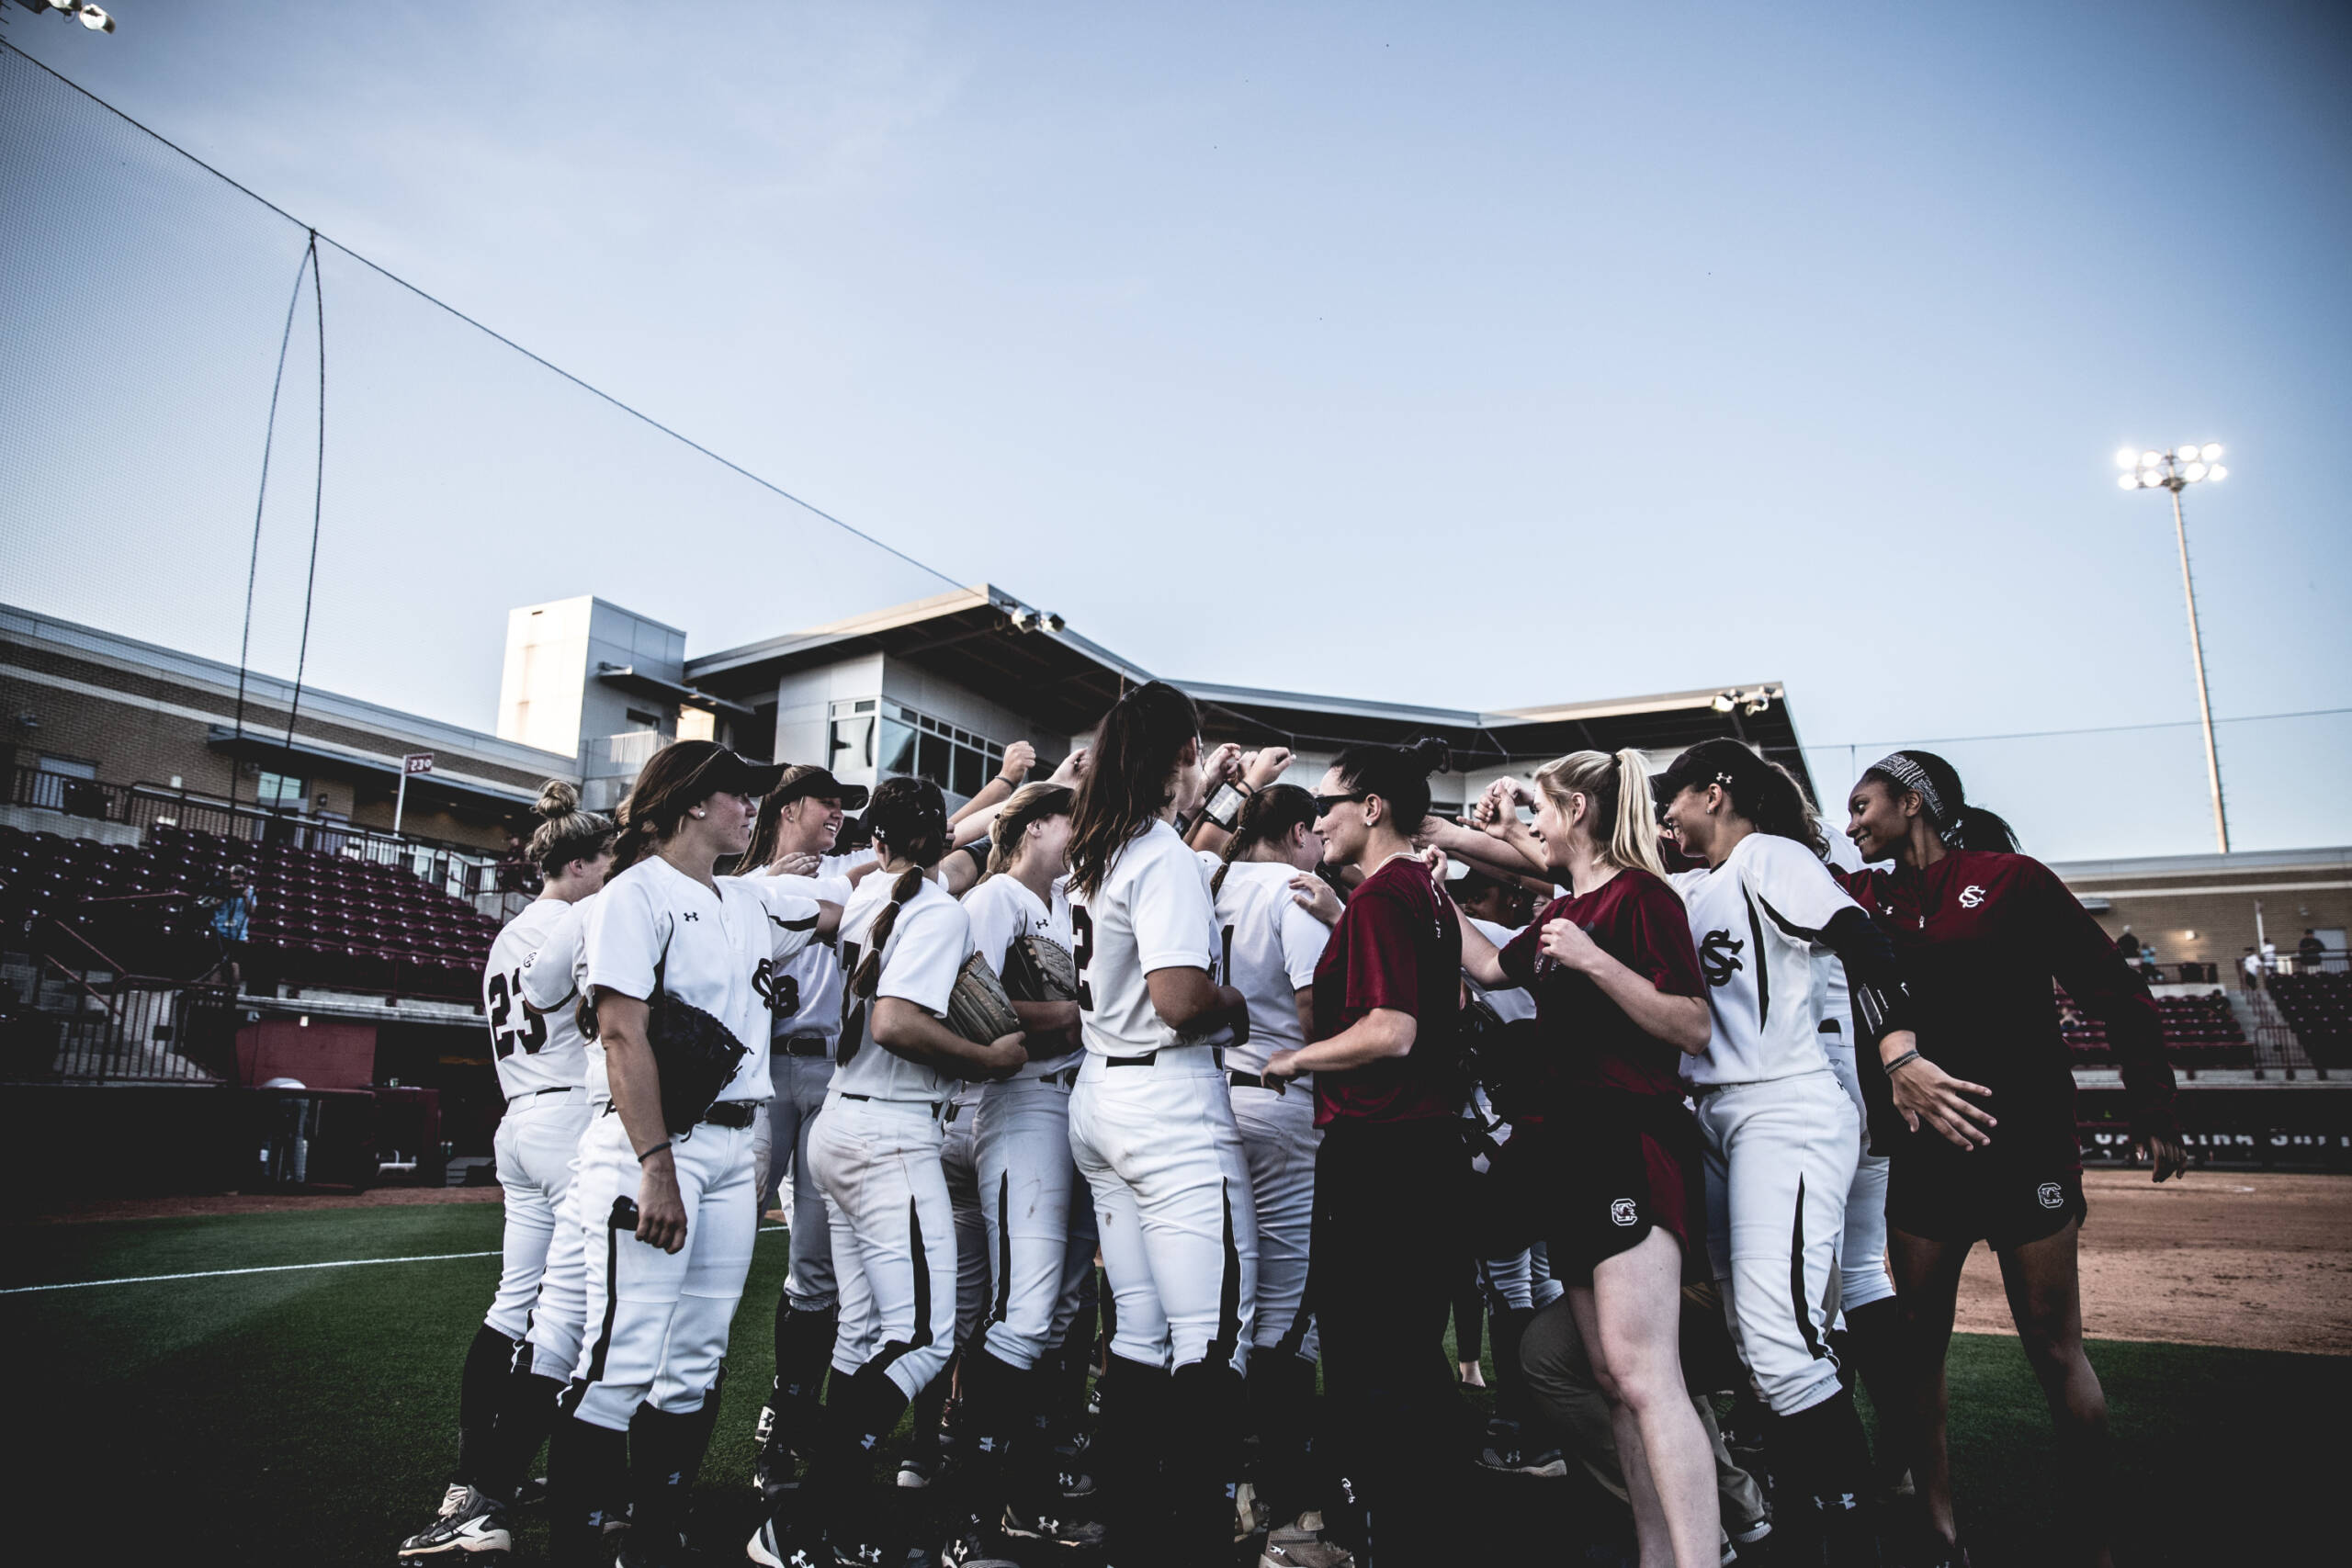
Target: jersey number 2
[
  {"x": 506, "y": 1030},
  {"x": 1082, "y": 927}
]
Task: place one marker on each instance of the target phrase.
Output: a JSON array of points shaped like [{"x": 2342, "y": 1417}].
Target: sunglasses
[{"x": 1326, "y": 803}]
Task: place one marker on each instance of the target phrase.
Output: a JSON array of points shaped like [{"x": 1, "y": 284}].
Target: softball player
[
  {"x": 1151, "y": 1125},
  {"x": 1272, "y": 942},
  {"x": 1979, "y": 932},
  {"x": 875, "y": 1155},
  {"x": 798, "y": 824},
  {"x": 663, "y": 926},
  {"x": 1782, "y": 1139},
  {"x": 542, "y": 1070}
]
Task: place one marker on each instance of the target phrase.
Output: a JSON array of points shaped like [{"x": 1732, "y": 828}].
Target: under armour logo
[
  {"x": 692, "y": 916},
  {"x": 1624, "y": 1211},
  {"x": 2052, "y": 1195},
  {"x": 1719, "y": 957},
  {"x": 1971, "y": 896}
]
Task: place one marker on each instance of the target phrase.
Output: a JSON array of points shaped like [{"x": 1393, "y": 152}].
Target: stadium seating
[
  {"x": 2200, "y": 1031},
  {"x": 323, "y": 920},
  {"x": 2318, "y": 1008}
]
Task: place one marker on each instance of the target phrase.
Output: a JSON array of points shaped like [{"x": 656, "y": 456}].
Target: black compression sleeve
[{"x": 1882, "y": 1006}]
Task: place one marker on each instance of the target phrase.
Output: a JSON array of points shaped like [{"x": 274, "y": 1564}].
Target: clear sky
[{"x": 1480, "y": 356}]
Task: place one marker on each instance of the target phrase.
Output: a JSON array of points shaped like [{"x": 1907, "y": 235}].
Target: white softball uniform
[
  {"x": 662, "y": 1330},
  {"x": 1271, "y": 947},
  {"x": 551, "y": 980},
  {"x": 875, "y": 1150},
  {"x": 1781, "y": 1138},
  {"x": 804, "y": 996},
  {"x": 1024, "y": 1177},
  {"x": 1151, "y": 1118},
  {"x": 542, "y": 1068},
  {"x": 1512, "y": 1004}
]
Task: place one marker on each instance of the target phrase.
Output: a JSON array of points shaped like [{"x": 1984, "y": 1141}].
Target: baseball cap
[
  {"x": 804, "y": 779},
  {"x": 722, "y": 771}
]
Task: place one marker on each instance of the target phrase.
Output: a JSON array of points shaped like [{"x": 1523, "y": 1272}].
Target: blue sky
[{"x": 1479, "y": 355}]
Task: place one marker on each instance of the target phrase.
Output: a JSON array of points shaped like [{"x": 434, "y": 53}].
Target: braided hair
[
  {"x": 1760, "y": 789},
  {"x": 909, "y": 817},
  {"x": 1267, "y": 818}
]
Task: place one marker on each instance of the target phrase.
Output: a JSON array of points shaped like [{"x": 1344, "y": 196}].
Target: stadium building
[{"x": 384, "y": 845}]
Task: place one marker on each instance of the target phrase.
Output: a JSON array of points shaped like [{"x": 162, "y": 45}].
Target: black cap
[
  {"x": 805, "y": 779},
  {"x": 721, "y": 770}
]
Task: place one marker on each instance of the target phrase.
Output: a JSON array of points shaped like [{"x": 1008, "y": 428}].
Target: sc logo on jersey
[
  {"x": 1719, "y": 958},
  {"x": 2053, "y": 1196},
  {"x": 1970, "y": 896},
  {"x": 1624, "y": 1211},
  {"x": 781, "y": 992}
]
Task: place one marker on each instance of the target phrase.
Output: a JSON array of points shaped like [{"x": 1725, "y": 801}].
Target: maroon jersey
[
  {"x": 1398, "y": 945},
  {"x": 1979, "y": 937},
  {"x": 1638, "y": 920}
]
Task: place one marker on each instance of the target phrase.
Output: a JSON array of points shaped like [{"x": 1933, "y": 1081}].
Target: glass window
[
  {"x": 931, "y": 760},
  {"x": 897, "y": 752},
  {"x": 866, "y": 706},
  {"x": 971, "y": 771},
  {"x": 277, "y": 789}
]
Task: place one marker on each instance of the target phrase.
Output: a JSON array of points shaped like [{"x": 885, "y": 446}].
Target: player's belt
[
  {"x": 806, "y": 1045},
  {"x": 1065, "y": 1078},
  {"x": 736, "y": 1114},
  {"x": 1253, "y": 1081},
  {"x": 931, "y": 1105},
  {"x": 1217, "y": 1055},
  {"x": 535, "y": 1093}
]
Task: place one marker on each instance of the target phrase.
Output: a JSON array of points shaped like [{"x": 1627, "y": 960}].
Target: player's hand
[
  {"x": 1315, "y": 896},
  {"x": 797, "y": 863},
  {"x": 1019, "y": 758},
  {"x": 1924, "y": 1092},
  {"x": 661, "y": 1213},
  {"x": 1003, "y": 1056},
  {"x": 1073, "y": 769},
  {"x": 2165, "y": 1151},
  {"x": 1266, "y": 767},
  {"x": 1570, "y": 946},
  {"x": 1433, "y": 860},
  {"x": 1280, "y": 1068},
  {"x": 1222, "y": 766}
]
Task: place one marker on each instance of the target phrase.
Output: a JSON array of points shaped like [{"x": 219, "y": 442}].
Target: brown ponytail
[
  {"x": 1266, "y": 816},
  {"x": 869, "y": 967},
  {"x": 909, "y": 817}
]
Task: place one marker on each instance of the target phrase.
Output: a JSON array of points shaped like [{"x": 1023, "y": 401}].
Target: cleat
[
  {"x": 1073, "y": 1534},
  {"x": 770, "y": 1548},
  {"x": 918, "y": 1469},
  {"x": 969, "y": 1548},
  {"x": 470, "y": 1528},
  {"x": 1546, "y": 1462},
  {"x": 533, "y": 1491},
  {"x": 1249, "y": 1515}
]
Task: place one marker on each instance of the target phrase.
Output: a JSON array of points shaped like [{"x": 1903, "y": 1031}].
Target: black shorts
[
  {"x": 1600, "y": 1183},
  {"x": 2001, "y": 1197}
]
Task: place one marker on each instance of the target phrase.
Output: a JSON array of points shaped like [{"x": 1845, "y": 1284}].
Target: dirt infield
[
  {"x": 176, "y": 1207},
  {"x": 2252, "y": 1261}
]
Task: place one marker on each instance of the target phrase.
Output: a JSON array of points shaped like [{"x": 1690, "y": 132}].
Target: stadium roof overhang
[
  {"x": 992, "y": 644},
  {"x": 257, "y": 747},
  {"x": 628, "y": 678}
]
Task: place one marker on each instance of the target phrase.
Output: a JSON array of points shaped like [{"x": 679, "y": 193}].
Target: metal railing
[
  {"x": 93, "y": 1028},
  {"x": 460, "y": 870}
]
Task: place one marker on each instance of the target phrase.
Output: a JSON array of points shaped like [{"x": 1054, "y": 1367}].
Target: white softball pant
[
  {"x": 1862, "y": 1276},
  {"x": 800, "y": 1083},
  {"x": 1026, "y": 1185},
  {"x": 657, "y": 1319},
  {"x": 536, "y": 1145},
  {"x": 1158, "y": 1148},
  {"x": 961, "y": 1169},
  {"x": 876, "y": 1161},
  {"x": 1522, "y": 1281},
  {"x": 1279, "y": 1139},
  {"x": 1780, "y": 1156}
]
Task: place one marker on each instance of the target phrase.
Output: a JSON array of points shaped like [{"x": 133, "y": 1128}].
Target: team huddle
[{"x": 1707, "y": 1098}]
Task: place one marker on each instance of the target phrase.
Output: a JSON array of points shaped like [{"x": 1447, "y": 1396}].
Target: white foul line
[{"x": 268, "y": 1269}]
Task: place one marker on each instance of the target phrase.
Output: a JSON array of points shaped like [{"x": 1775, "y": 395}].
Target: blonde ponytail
[
  {"x": 1030, "y": 802},
  {"x": 1622, "y": 821}
]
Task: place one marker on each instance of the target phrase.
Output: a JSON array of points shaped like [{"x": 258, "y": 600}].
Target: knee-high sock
[
  {"x": 1127, "y": 1446},
  {"x": 664, "y": 1453},
  {"x": 860, "y": 1414},
  {"x": 527, "y": 1412},
  {"x": 587, "y": 1473},
  {"x": 481, "y": 1388},
  {"x": 1204, "y": 1459},
  {"x": 1821, "y": 1450},
  {"x": 1512, "y": 1400},
  {"x": 804, "y": 1351},
  {"x": 1281, "y": 1405},
  {"x": 706, "y": 1421},
  {"x": 999, "y": 1419}
]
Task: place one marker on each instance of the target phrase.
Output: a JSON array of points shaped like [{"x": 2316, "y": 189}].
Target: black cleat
[{"x": 469, "y": 1529}]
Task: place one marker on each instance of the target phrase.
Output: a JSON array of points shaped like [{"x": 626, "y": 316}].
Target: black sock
[
  {"x": 526, "y": 1415},
  {"x": 1821, "y": 1450},
  {"x": 1127, "y": 1443},
  {"x": 803, "y": 1353},
  {"x": 998, "y": 1421},
  {"x": 859, "y": 1415},
  {"x": 664, "y": 1452},
  {"x": 706, "y": 1421},
  {"x": 1281, "y": 1405},
  {"x": 1512, "y": 1399},
  {"x": 587, "y": 1476},
  {"x": 1203, "y": 1458},
  {"x": 480, "y": 1387}
]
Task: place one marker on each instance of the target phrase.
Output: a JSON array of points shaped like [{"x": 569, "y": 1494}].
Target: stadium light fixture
[
  {"x": 90, "y": 17},
  {"x": 2175, "y": 470}
]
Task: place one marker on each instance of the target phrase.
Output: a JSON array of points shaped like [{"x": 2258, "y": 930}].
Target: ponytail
[
  {"x": 1958, "y": 821},
  {"x": 565, "y": 832},
  {"x": 1029, "y": 804},
  {"x": 1267, "y": 817},
  {"x": 1762, "y": 791},
  {"x": 1398, "y": 775},
  {"x": 869, "y": 967},
  {"x": 1623, "y": 823},
  {"x": 1130, "y": 770}
]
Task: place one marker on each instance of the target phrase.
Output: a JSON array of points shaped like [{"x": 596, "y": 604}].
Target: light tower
[{"x": 2176, "y": 471}]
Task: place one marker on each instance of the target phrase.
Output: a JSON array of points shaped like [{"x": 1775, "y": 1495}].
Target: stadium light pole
[{"x": 2176, "y": 471}]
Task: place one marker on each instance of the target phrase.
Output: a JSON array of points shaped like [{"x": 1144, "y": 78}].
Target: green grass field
[{"x": 307, "y": 1417}]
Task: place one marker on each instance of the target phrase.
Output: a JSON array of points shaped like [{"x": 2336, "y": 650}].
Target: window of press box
[
  {"x": 277, "y": 789},
  {"x": 880, "y": 739}
]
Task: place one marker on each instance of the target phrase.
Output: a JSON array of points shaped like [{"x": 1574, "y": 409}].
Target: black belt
[
  {"x": 736, "y": 1114},
  {"x": 806, "y": 1045},
  {"x": 535, "y": 1093},
  {"x": 1253, "y": 1081},
  {"x": 931, "y": 1105},
  {"x": 1216, "y": 1053}
]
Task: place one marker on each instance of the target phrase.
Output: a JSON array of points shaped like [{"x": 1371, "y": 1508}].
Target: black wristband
[
  {"x": 1901, "y": 1061},
  {"x": 978, "y": 849},
  {"x": 649, "y": 1153}
]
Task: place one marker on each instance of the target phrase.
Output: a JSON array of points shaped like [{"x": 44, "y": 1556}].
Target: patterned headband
[{"x": 1898, "y": 766}]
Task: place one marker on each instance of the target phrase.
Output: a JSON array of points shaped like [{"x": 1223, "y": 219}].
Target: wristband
[
  {"x": 978, "y": 849},
  {"x": 656, "y": 1149},
  {"x": 1901, "y": 1061},
  {"x": 1008, "y": 781}
]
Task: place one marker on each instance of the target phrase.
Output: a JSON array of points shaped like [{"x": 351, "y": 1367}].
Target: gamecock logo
[
  {"x": 1719, "y": 957},
  {"x": 1623, "y": 1212}
]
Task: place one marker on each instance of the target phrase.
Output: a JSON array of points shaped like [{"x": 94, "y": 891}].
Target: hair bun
[
  {"x": 558, "y": 798},
  {"x": 1433, "y": 753}
]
